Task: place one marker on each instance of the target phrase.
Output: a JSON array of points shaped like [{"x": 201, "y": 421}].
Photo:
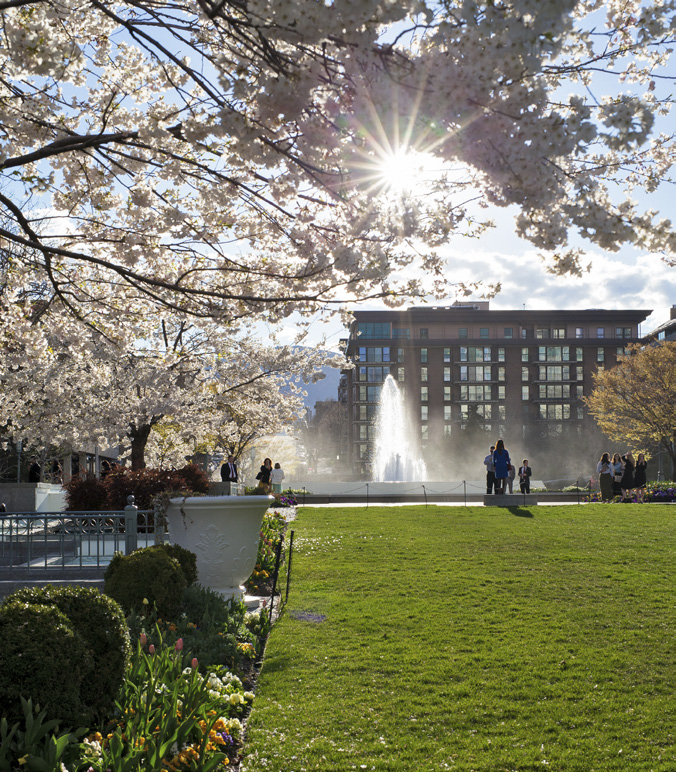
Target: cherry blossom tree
[
  {"x": 227, "y": 159},
  {"x": 183, "y": 382}
]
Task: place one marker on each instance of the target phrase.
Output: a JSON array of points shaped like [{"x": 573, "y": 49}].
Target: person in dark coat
[
  {"x": 640, "y": 480},
  {"x": 627, "y": 481},
  {"x": 34, "y": 472},
  {"x": 502, "y": 463},
  {"x": 229, "y": 470},
  {"x": 525, "y": 473},
  {"x": 263, "y": 475}
]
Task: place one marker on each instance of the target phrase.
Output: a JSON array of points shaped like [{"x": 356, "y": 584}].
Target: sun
[{"x": 406, "y": 171}]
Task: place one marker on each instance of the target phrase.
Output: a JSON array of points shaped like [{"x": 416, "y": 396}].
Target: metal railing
[{"x": 29, "y": 540}]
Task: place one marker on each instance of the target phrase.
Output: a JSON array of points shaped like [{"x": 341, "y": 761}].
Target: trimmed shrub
[
  {"x": 187, "y": 560},
  {"x": 43, "y": 659},
  {"x": 85, "y": 495},
  {"x": 99, "y": 620},
  {"x": 150, "y": 574},
  {"x": 111, "y": 492}
]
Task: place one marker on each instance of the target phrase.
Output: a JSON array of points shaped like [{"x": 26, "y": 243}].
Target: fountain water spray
[{"x": 396, "y": 452}]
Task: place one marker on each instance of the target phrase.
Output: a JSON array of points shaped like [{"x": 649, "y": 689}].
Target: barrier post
[
  {"x": 464, "y": 487},
  {"x": 288, "y": 567},
  {"x": 425, "y": 494},
  {"x": 278, "y": 558},
  {"x": 367, "y": 495},
  {"x": 130, "y": 526}
]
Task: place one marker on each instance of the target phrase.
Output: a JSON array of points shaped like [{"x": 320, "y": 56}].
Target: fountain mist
[{"x": 397, "y": 452}]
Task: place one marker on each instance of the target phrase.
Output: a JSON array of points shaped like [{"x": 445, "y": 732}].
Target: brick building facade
[{"x": 470, "y": 374}]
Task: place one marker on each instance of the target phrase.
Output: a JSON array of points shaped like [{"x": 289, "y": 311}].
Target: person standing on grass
[
  {"x": 490, "y": 471},
  {"x": 605, "y": 471},
  {"x": 640, "y": 480},
  {"x": 276, "y": 477},
  {"x": 617, "y": 474},
  {"x": 502, "y": 462},
  {"x": 627, "y": 481},
  {"x": 525, "y": 473}
]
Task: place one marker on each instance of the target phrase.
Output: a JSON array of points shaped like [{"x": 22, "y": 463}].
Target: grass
[{"x": 472, "y": 639}]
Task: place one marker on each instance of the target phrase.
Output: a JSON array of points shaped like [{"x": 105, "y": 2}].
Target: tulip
[
  {"x": 143, "y": 638},
  {"x": 194, "y": 663},
  {"x": 146, "y": 602},
  {"x": 179, "y": 645},
  {"x": 151, "y": 649}
]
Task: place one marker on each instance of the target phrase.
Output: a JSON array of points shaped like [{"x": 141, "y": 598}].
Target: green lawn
[{"x": 473, "y": 639}]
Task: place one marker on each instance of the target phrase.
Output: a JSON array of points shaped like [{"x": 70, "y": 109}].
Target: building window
[
  {"x": 509, "y": 332},
  {"x": 424, "y": 394},
  {"x": 501, "y": 354},
  {"x": 559, "y": 332},
  {"x": 401, "y": 352},
  {"x": 580, "y": 391},
  {"x": 475, "y": 353},
  {"x": 447, "y": 355},
  {"x": 447, "y": 412},
  {"x": 447, "y": 393},
  {"x": 373, "y": 374},
  {"x": 524, "y": 333},
  {"x": 501, "y": 373},
  {"x": 600, "y": 332},
  {"x": 374, "y": 354},
  {"x": 554, "y": 353},
  {"x": 447, "y": 374},
  {"x": 424, "y": 432},
  {"x": 483, "y": 332},
  {"x": 554, "y": 391},
  {"x": 578, "y": 354},
  {"x": 525, "y": 393},
  {"x": 580, "y": 413},
  {"x": 447, "y": 430},
  {"x": 524, "y": 354},
  {"x": 524, "y": 373},
  {"x": 401, "y": 332},
  {"x": 600, "y": 354},
  {"x": 423, "y": 374},
  {"x": 475, "y": 393},
  {"x": 423, "y": 355},
  {"x": 542, "y": 332},
  {"x": 475, "y": 373},
  {"x": 362, "y": 449},
  {"x": 623, "y": 332},
  {"x": 620, "y": 351},
  {"x": 555, "y": 412},
  {"x": 424, "y": 333},
  {"x": 401, "y": 375},
  {"x": 368, "y": 394},
  {"x": 579, "y": 373},
  {"x": 462, "y": 332},
  {"x": 424, "y": 412},
  {"x": 579, "y": 332},
  {"x": 501, "y": 392},
  {"x": 554, "y": 373},
  {"x": 373, "y": 329}
]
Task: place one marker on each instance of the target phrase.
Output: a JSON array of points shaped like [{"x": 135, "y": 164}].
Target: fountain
[{"x": 396, "y": 450}]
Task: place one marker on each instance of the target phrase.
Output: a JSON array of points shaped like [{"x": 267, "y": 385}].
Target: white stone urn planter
[{"x": 223, "y": 531}]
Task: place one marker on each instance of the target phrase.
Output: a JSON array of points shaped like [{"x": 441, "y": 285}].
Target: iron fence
[{"x": 30, "y": 540}]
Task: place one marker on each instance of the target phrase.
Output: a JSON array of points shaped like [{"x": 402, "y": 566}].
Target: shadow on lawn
[{"x": 520, "y": 512}]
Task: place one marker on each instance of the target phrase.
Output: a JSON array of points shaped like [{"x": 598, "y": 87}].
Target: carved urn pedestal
[{"x": 223, "y": 531}]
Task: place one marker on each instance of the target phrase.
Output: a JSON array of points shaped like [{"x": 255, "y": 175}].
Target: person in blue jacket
[{"x": 502, "y": 463}]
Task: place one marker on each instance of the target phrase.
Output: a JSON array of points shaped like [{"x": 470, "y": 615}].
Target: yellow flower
[{"x": 23, "y": 760}]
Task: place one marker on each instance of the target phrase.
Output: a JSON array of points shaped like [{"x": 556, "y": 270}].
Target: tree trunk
[{"x": 139, "y": 440}]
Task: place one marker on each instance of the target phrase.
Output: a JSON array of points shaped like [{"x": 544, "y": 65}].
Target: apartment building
[{"x": 471, "y": 373}]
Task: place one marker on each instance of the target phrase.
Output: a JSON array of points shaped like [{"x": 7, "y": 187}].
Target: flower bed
[{"x": 187, "y": 690}]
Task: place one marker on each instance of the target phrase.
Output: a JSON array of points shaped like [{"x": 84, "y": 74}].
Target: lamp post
[{"x": 252, "y": 456}]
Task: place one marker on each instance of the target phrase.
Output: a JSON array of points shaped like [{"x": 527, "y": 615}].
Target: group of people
[
  {"x": 269, "y": 478},
  {"x": 501, "y": 473},
  {"x": 622, "y": 477}
]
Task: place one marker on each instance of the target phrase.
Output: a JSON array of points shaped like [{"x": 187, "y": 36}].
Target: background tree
[{"x": 635, "y": 402}]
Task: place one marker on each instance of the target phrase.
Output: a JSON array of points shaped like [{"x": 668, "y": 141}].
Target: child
[{"x": 276, "y": 477}]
